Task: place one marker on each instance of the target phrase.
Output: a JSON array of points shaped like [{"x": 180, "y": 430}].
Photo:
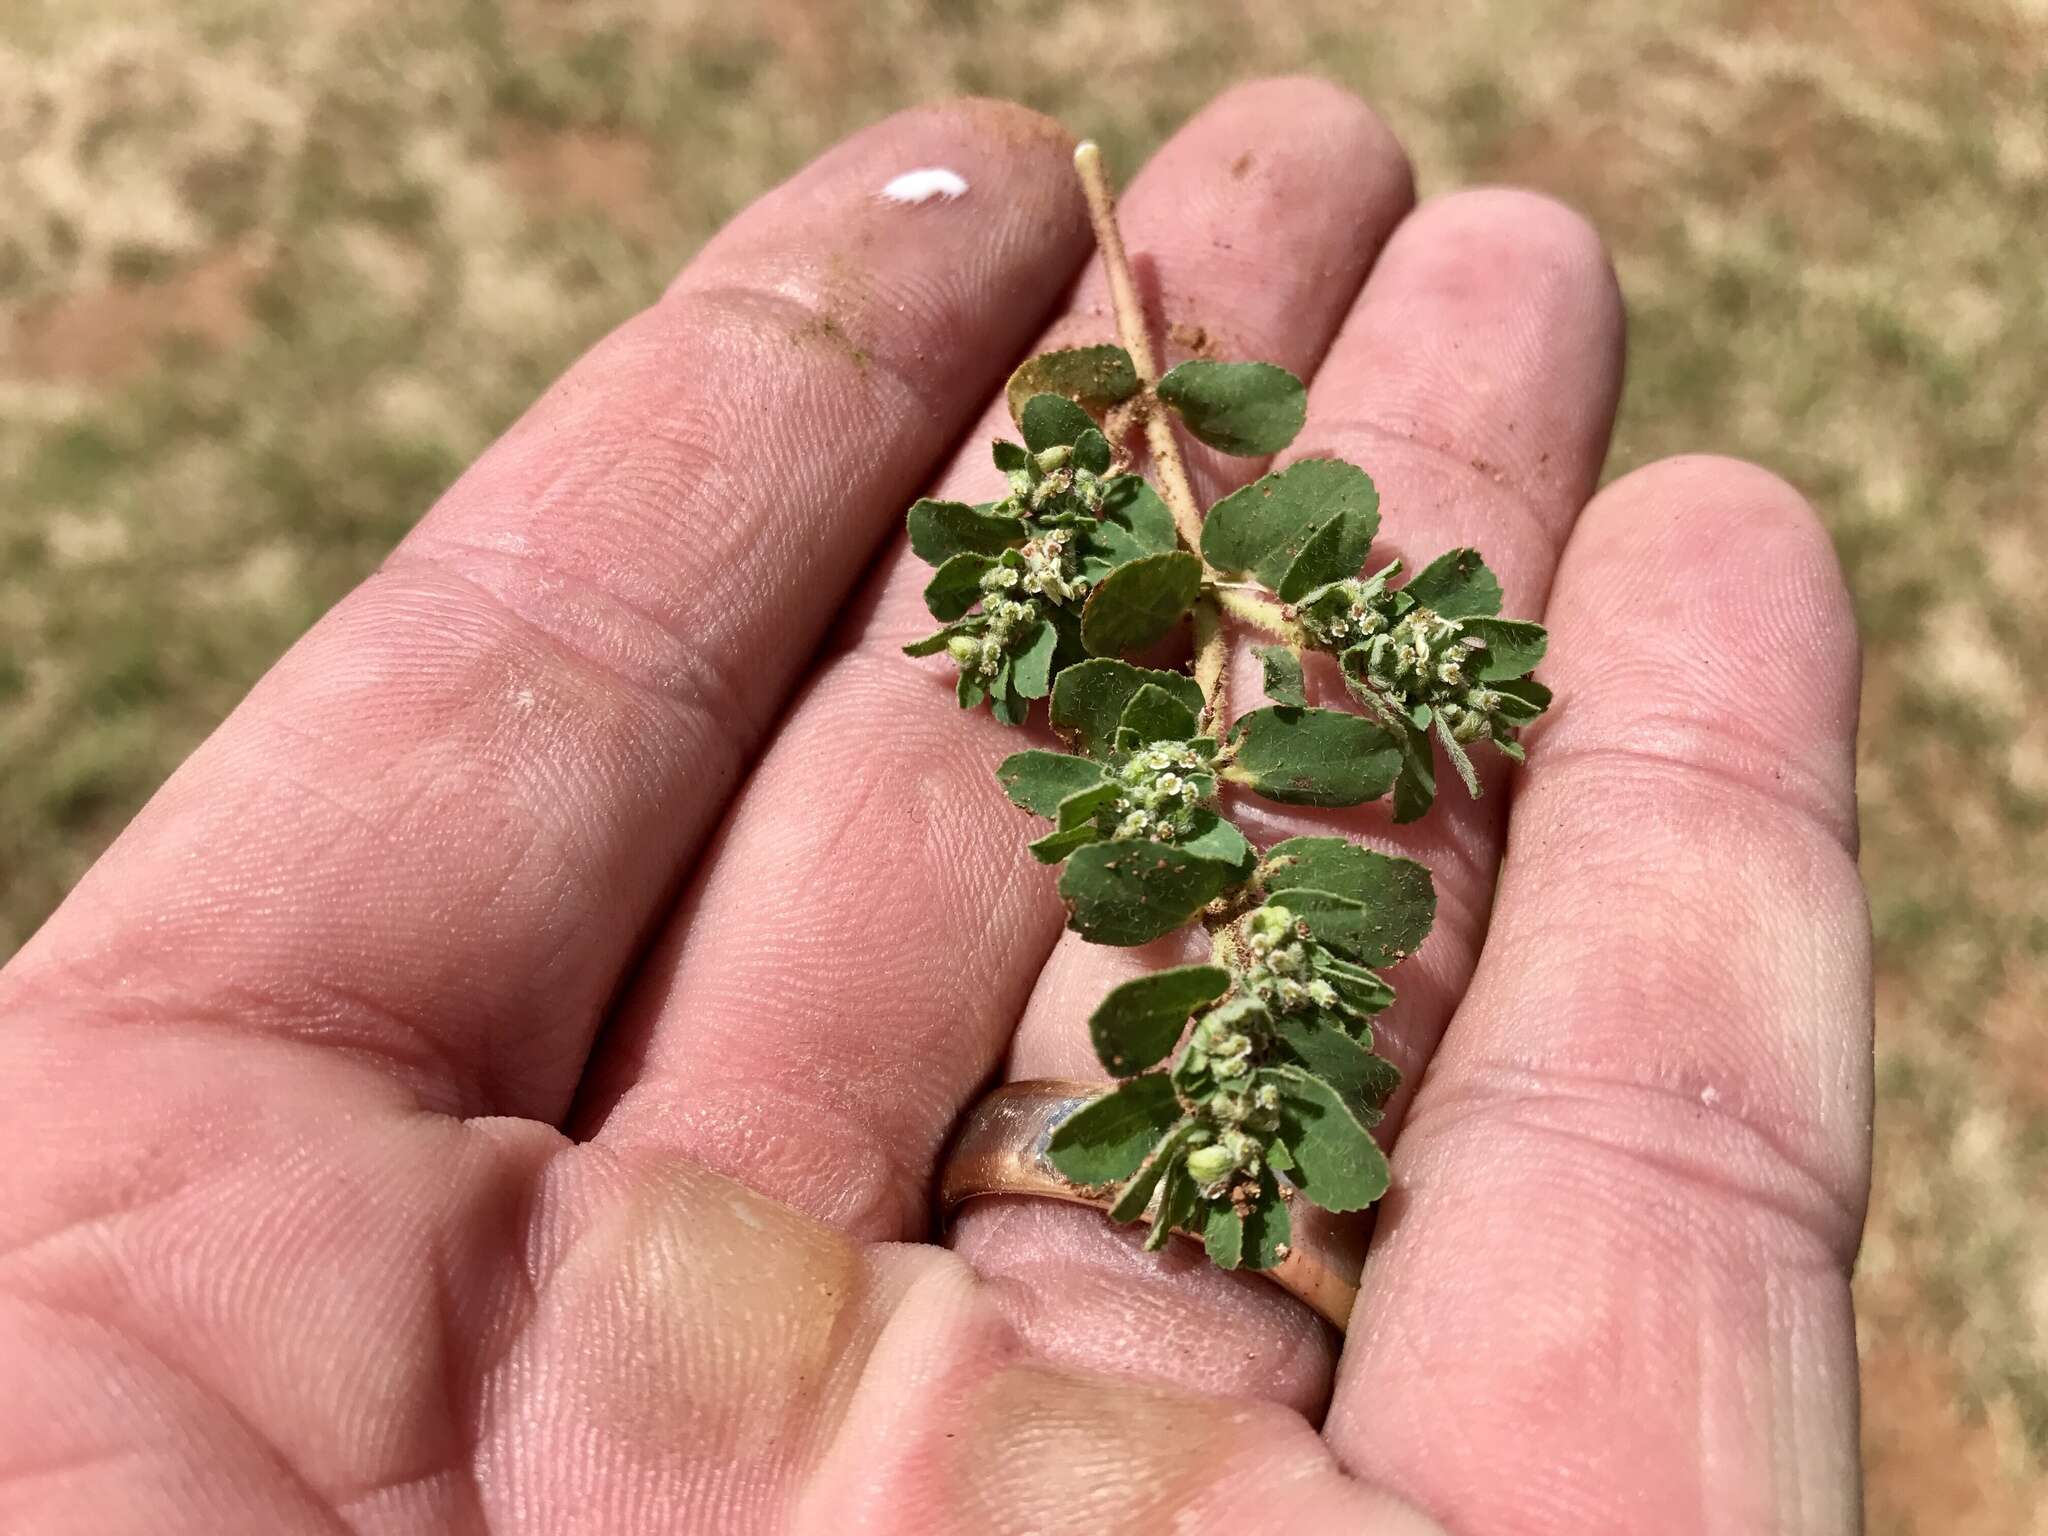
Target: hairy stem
[
  {"x": 1137, "y": 340},
  {"x": 1211, "y": 654},
  {"x": 1212, "y": 671},
  {"x": 1250, "y": 604}
]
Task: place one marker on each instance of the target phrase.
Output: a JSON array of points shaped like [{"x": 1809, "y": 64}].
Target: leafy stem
[{"x": 1251, "y": 1081}]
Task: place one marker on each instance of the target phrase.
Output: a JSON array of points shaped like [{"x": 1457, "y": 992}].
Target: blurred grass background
[{"x": 271, "y": 273}]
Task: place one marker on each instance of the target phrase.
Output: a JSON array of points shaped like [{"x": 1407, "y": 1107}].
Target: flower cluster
[{"x": 1251, "y": 1080}]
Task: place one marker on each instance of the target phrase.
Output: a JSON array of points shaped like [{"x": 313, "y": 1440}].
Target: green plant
[{"x": 1046, "y": 593}]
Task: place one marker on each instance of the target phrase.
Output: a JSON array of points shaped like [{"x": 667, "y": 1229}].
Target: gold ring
[{"x": 1001, "y": 1150}]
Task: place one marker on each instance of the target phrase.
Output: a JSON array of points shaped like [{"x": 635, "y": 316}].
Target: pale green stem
[{"x": 1250, "y": 604}]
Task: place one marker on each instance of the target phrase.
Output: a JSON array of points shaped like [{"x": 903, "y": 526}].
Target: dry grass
[{"x": 272, "y": 274}]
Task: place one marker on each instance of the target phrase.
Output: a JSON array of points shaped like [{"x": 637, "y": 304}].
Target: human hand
[{"x": 562, "y": 822}]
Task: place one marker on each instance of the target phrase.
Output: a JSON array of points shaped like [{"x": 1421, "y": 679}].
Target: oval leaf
[
  {"x": 1399, "y": 894},
  {"x": 1247, "y": 409},
  {"x": 1137, "y": 604},
  {"x": 1137, "y": 1024},
  {"x": 1088, "y": 700},
  {"x": 1156, "y": 715},
  {"x": 1050, "y": 422},
  {"x": 1094, "y": 378},
  {"x": 1037, "y": 781},
  {"x": 1457, "y": 585},
  {"x": 1253, "y": 1240},
  {"x": 1265, "y": 527},
  {"x": 1132, "y": 892},
  {"x": 1284, "y": 682},
  {"x": 1364, "y": 1082},
  {"x": 1513, "y": 647},
  {"x": 1336, "y": 1162},
  {"x": 956, "y": 587},
  {"x": 939, "y": 530},
  {"x": 1313, "y": 756},
  {"x": 1212, "y": 837},
  {"x": 1106, "y": 1139},
  {"x": 1032, "y": 673}
]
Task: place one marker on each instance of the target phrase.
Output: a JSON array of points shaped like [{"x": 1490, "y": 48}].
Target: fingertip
[
  {"x": 1751, "y": 543},
  {"x": 1703, "y": 596},
  {"x": 1316, "y": 108},
  {"x": 1557, "y": 259}
]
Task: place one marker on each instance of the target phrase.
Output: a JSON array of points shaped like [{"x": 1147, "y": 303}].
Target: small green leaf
[
  {"x": 1037, "y": 781},
  {"x": 956, "y": 587},
  {"x": 1136, "y": 1195},
  {"x": 1524, "y": 699},
  {"x": 1057, "y": 845},
  {"x": 1156, "y": 715},
  {"x": 1415, "y": 789},
  {"x": 1213, "y": 838},
  {"x": 1457, "y": 585},
  {"x": 1334, "y": 552},
  {"x": 1223, "y": 1235},
  {"x": 1398, "y": 894},
  {"x": 1009, "y": 456},
  {"x": 1132, "y": 892},
  {"x": 1358, "y": 988},
  {"x": 939, "y": 530},
  {"x": 1266, "y": 527},
  {"x": 1005, "y": 703},
  {"x": 1312, "y": 756},
  {"x": 1051, "y": 422},
  {"x": 1137, "y": 1024},
  {"x": 1336, "y": 1162},
  {"x": 1349, "y": 927},
  {"x": 1283, "y": 679},
  {"x": 1131, "y": 506},
  {"x": 1032, "y": 677},
  {"x": 932, "y": 644},
  {"x": 1253, "y": 1240},
  {"x": 1513, "y": 647},
  {"x": 968, "y": 689},
  {"x": 1106, "y": 1139},
  {"x": 1364, "y": 1082},
  {"x": 1095, "y": 378},
  {"x": 1080, "y": 807},
  {"x": 1267, "y": 1225},
  {"x": 1137, "y": 604},
  {"x": 1247, "y": 409},
  {"x": 1091, "y": 452},
  {"x": 1177, "y": 1203},
  {"x": 1088, "y": 700}
]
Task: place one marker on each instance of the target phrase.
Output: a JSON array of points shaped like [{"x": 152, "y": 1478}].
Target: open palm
[{"x": 496, "y": 1085}]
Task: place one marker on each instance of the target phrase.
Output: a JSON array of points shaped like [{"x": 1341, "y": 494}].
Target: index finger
[{"x": 435, "y": 833}]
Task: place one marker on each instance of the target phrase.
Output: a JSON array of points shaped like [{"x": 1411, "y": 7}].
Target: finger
[
  {"x": 436, "y": 832},
  {"x": 1610, "y": 1289},
  {"x": 1476, "y": 382},
  {"x": 846, "y": 971}
]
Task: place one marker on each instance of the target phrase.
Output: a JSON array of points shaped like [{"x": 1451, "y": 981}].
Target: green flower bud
[{"x": 1211, "y": 1165}]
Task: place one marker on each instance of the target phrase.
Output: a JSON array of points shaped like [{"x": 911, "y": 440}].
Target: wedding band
[{"x": 1001, "y": 1150}]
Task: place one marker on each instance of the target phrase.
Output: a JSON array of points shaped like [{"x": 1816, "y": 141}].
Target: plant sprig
[{"x": 1249, "y": 1080}]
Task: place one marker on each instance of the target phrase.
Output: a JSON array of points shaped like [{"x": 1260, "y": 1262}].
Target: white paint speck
[
  {"x": 922, "y": 186},
  {"x": 1710, "y": 1096}
]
